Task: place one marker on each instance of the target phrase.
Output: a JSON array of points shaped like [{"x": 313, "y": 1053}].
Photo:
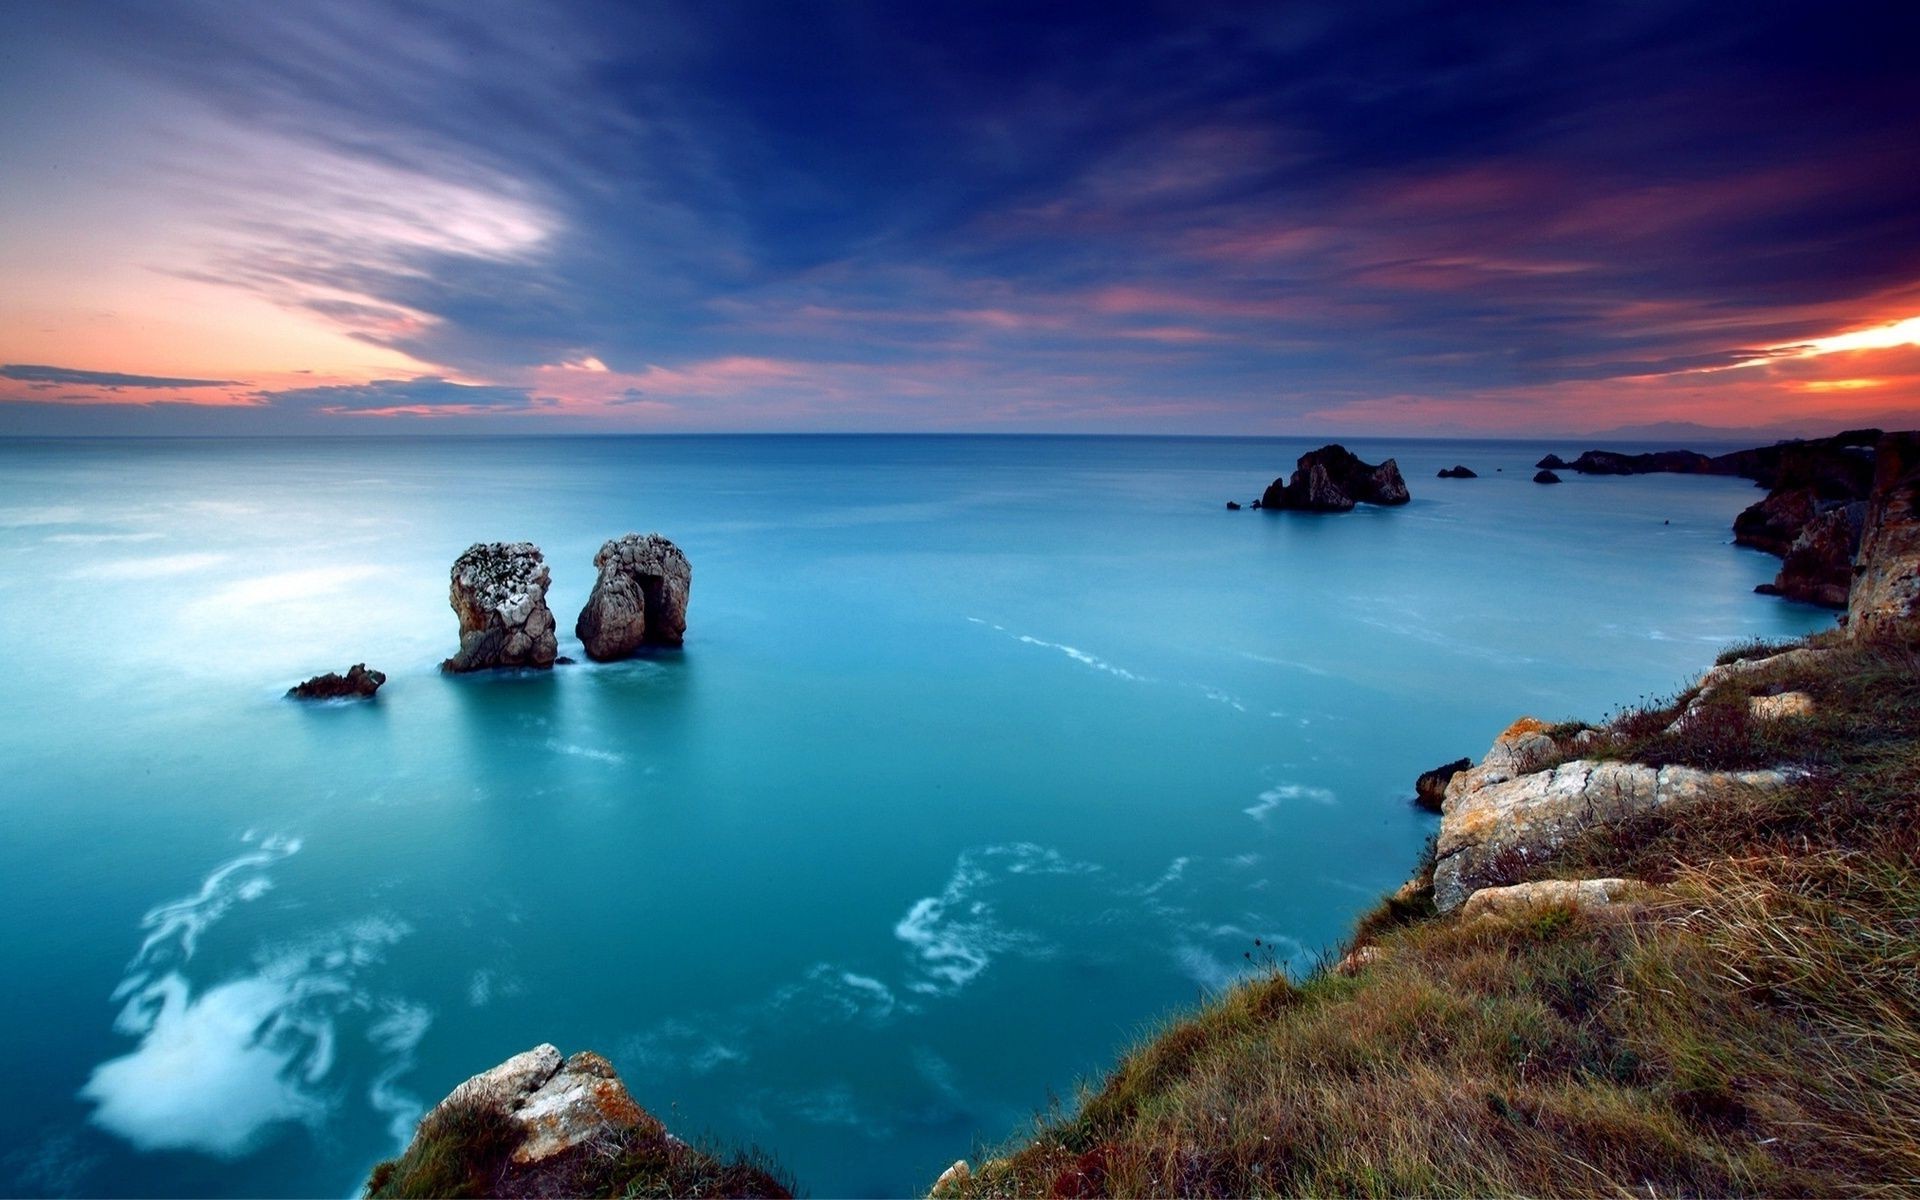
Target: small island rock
[
  {"x": 357, "y": 683},
  {"x": 499, "y": 592},
  {"x": 639, "y": 600},
  {"x": 1546, "y": 477},
  {"x": 1334, "y": 479},
  {"x": 1552, "y": 462},
  {"x": 1458, "y": 473}
]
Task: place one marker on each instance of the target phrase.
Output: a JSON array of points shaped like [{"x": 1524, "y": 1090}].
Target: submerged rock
[
  {"x": 357, "y": 683},
  {"x": 1334, "y": 479},
  {"x": 1546, "y": 477},
  {"x": 1458, "y": 473},
  {"x": 499, "y": 592},
  {"x": 639, "y": 600},
  {"x": 1886, "y": 584}
]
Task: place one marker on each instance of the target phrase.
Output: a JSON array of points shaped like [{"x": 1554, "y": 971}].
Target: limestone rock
[
  {"x": 1545, "y": 477},
  {"x": 559, "y": 1103},
  {"x": 1507, "y": 811},
  {"x": 1786, "y": 704},
  {"x": 1333, "y": 479},
  {"x": 1357, "y": 960},
  {"x": 639, "y": 600},
  {"x": 1586, "y": 894},
  {"x": 357, "y": 683},
  {"x": 499, "y": 592},
  {"x": 954, "y": 1180},
  {"x": 1886, "y": 584},
  {"x": 1430, "y": 789}
]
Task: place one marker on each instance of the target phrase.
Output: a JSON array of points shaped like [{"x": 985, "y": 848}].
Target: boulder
[
  {"x": 1774, "y": 708},
  {"x": 1458, "y": 473},
  {"x": 1552, "y": 462},
  {"x": 1430, "y": 789},
  {"x": 1333, "y": 479},
  {"x": 1499, "y": 818},
  {"x": 1546, "y": 477},
  {"x": 499, "y": 592},
  {"x": 1818, "y": 566},
  {"x": 1886, "y": 582},
  {"x": 1586, "y": 895},
  {"x": 639, "y": 600},
  {"x": 554, "y": 1127},
  {"x": 953, "y": 1181},
  {"x": 357, "y": 683}
]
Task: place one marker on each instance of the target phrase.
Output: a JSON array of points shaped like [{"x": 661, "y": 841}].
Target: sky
[{"x": 1273, "y": 219}]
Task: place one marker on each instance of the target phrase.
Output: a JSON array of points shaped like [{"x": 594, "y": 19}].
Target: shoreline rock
[
  {"x": 1886, "y": 582},
  {"x": 1334, "y": 479},
  {"x": 499, "y": 592},
  {"x": 640, "y": 598},
  {"x": 1430, "y": 788},
  {"x": 358, "y": 683}
]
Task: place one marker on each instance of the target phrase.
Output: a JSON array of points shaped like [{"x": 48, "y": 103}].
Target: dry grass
[{"x": 1755, "y": 1031}]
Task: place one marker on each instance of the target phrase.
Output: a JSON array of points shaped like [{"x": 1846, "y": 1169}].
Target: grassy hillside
[{"x": 1752, "y": 1027}]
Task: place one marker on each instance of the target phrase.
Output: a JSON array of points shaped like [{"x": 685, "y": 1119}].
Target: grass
[
  {"x": 1753, "y": 1030},
  {"x": 466, "y": 1150}
]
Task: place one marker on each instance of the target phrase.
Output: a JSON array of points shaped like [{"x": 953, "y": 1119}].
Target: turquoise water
[{"x": 981, "y": 755}]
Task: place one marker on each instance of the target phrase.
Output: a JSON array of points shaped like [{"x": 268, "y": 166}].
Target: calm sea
[{"x": 982, "y": 755}]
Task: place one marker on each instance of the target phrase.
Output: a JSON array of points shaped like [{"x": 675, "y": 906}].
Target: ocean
[{"x": 982, "y": 755}]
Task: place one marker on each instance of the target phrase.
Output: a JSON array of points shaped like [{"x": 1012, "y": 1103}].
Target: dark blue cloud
[
  {"x": 111, "y": 380},
  {"x": 427, "y": 393}
]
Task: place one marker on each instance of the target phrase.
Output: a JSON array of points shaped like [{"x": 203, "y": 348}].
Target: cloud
[
  {"x": 427, "y": 395},
  {"x": 106, "y": 379}
]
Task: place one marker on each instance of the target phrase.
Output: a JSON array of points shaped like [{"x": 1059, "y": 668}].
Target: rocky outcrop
[
  {"x": 639, "y": 600},
  {"x": 358, "y": 683},
  {"x": 1886, "y": 584},
  {"x": 1586, "y": 895},
  {"x": 1512, "y": 809},
  {"x": 499, "y": 592},
  {"x": 1552, "y": 462},
  {"x": 1818, "y": 565},
  {"x": 1333, "y": 479},
  {"x": 1430, "y": 789},
  {"x": 1233, "y": 506},
  {"x": 1611, "y": 462},
  {"x": 1458, "y": 473},
  {"x": 1545, "y": 477},
  {"x": 1781, "y": 706},
  {"x": 542, "y": 1125}
]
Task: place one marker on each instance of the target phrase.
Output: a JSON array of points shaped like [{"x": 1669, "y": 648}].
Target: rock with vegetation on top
[
  {"x": 1512, "y": 809},
  {"x": 357, "y": 683},
  {"x": 1587, "y": 895},
  {"x": 1886, "y": 584},
  {"x": 499, "y": 592},
  {"x": 541, "y": 1125},
  {"x": 1430, "y": 789},
  {"x": 1546, "y": 477},
  {"x": 639, "y": 600},
  {"x": 1334, "y": 479}
]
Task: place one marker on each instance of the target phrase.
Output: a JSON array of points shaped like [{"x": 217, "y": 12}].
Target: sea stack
[
  {"x": 1333, "y": 479},
  {"x": 1546, "y": 477},
  {"x": 499, "y": 592},
  {"x": 639, "y": 600}
]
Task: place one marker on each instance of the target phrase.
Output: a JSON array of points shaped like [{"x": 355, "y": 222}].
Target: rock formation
[
  {"x": 1333, "y": 479},
  {"x": 1546, "y": 477},
  {"x": 358, "y": 682},
  {"x": 1233, "y": 506},
  {"x": 1514, "y": 808},
  {"x": 1612, "y": 462},
  {"x": 499, "y": 592},
  {"x": 1430, "y": 789},
  {"x": 1587, "y": 895},
  {"x": 639, "y": 600},
  {"x": 1552, "y": 462},
  {"x": 557, "y": 1127},
  {"x": 1818, "y": 564},
  {"x": 1458, "y": 473},
  {"x": 1886, "y": 585}
]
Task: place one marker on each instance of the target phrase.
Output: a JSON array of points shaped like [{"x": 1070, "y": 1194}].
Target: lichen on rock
[{"x": 499, "y": 592}]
